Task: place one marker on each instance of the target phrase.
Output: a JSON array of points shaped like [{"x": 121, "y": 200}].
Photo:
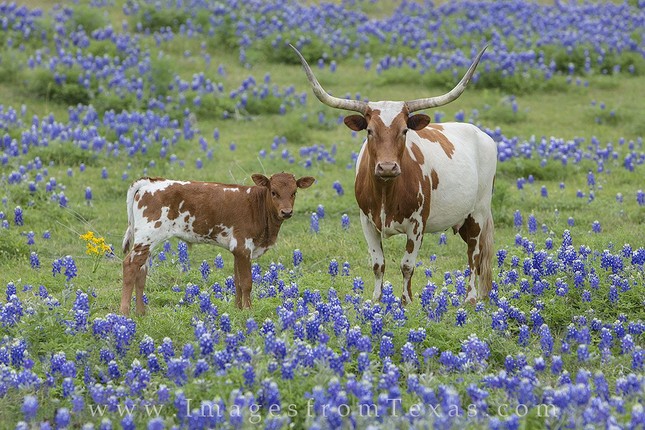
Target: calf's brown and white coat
[
  {"x": 414, "y": 177},
  {"x": 243, "y": 219}
]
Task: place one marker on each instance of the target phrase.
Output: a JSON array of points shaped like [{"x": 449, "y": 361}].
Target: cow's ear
[
  {"x": 305, "y": 181},
  {"x": 261, "y": 180},
  {"x": 356, "y": 122},
  {"x": 418, "y": 122}
]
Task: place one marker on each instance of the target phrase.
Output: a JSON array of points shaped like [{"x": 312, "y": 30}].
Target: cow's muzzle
[{"x": 387, "y": 170}]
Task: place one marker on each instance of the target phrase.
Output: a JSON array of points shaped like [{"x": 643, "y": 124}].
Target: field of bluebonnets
[{"x": 96, "y": 94}]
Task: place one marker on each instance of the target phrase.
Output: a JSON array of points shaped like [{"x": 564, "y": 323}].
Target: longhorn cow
[{"x": 415, "y": 177}]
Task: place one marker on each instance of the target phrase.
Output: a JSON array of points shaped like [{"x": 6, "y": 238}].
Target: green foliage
[
  {"x": 162, "y": 75},
  {"x": 154, "y": 17},
  {"x": 88, "y": 18},
  {"x": 42, "y": 84},
  {"x": 9, "y": 67},
  {"x": 225, "y": 37},
  {"x": 280, "y": 52},
  {"x": 112, "y": 102},
  {"x": 12, "y": 245},
  {"x": 64, "y": 154}
]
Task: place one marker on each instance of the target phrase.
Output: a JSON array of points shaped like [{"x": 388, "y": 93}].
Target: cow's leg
[
  {"x": 408, "y": 263},
  {"x": 243, "y": 279},
  {"x": 134, "y": 275},
  {"x": 477, "y": 232},
  {"x": 373, "y": 239}
]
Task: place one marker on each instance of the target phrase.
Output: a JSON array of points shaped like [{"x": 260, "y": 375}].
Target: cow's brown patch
[
  {"x": 433, "y": 133},
  {"x": 469, "y": 232},
  {"x": 409, "y": 246},
  {"x": 434, "y": 178},
  {"x": 418, "y": 155}
]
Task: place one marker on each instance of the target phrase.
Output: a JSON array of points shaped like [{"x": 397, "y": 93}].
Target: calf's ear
[
  {"x": 305, "y": 181},
  {"x": 260, "y": 180}
]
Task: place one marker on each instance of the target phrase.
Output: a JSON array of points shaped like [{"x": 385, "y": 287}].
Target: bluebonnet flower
[
  {"x": 595, "y": 227},
  {"x": 387, "y": 347},
  {"x": 344, "y": 222},
  {"x": 339, "y": 188},
  {"x": 501, "y": 256},
  {"x": 205, "y": 270},
  {"x": 417, "y": 335},
  {"x": 461, "y": 317},
  {"x": 29, "y": 407},
  {"x": 499, "y": 320},
  {"x": 34, "y": 261},
  {"x": 409, "y": 355},
  {"x": 626, "y": 344},
  {"x": 320, "y": 211},
  {"x": 167, "y": 349},
  {"x": 640, "y": 197},
  {"x": 613, "y": 294},
  {"x": 225, "y": 323},
  {"x": 182, "y": 250},
  {"x": 583, "y": 353},
  {"x": 546, "y": 340},
  {"x": 88, "y": 195},
  {"x": 333, "y": 268},
  {"x": 18, "y": 216},
  {"x": 358, "y": 285},
  {"x": 532, "y": 224},
  {"x": 544, "y": 192},
  {"x": 346, "y": 267},
  {"x": 638, "y": 355},
  {"x": 63, "y": 417},
  {"x": 523, "y": 337},
  {"x": 518, "y": 220},
  {"x": 314, "y": 225},
  {"x": 570, "y": 221},
  {"x": 219, "y": 262}
]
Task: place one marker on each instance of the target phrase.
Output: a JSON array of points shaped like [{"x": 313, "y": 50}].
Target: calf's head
[
  {"x": 282, "y": 188},
  {"x": 387, "y": 122}
]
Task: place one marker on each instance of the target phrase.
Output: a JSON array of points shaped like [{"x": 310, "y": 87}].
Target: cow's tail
[
  {"x": 128, "y": 237},
  {"x": 486, "y": 258}
]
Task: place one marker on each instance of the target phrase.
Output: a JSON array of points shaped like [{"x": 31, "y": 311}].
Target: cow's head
[
  {"x": 387, "y": 122},
  {"x": 283, "y": 188}
]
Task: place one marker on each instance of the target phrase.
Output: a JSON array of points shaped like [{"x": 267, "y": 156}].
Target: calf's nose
[{"x": 286, "y": 213}]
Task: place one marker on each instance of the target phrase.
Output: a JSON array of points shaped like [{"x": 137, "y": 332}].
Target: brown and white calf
[
  {"x": 243, "y": 219},
  {"x": 414, "y": 177}
]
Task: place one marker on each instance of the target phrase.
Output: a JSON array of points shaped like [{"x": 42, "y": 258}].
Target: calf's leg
[
  {"x": 243, "y": 280},
  {"x": 134, "y": 275}
]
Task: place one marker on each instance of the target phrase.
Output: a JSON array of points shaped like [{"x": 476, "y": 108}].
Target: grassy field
[{"x": 294, "y": 355}]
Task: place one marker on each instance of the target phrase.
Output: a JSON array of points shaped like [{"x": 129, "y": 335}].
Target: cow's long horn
[
  {"x": 430, "y": 102},
  {"x": 326, "y": 98}
]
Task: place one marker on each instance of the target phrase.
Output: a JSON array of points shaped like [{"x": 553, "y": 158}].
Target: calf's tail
[{"x": 128, "y": 237}]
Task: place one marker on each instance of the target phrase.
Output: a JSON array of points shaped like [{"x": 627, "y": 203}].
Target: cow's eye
[
  {"x": 405, "y": 131},
  {"x": 369, "y": 132},
  {"x": 293, "y": 195},
  {"x": 274, "y": 194}
]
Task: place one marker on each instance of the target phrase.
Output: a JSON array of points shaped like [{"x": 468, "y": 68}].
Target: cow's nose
[
  {"x": 388, "y": 169},
  {"x": 286, "y": 213}
]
